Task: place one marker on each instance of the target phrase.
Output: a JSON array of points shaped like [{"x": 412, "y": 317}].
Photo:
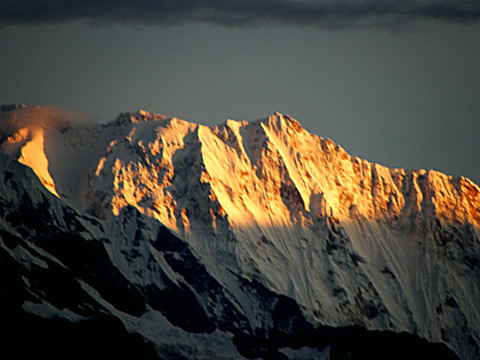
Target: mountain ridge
[{"x": 351, "y": 242}]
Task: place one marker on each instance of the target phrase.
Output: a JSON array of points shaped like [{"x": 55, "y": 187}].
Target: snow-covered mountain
[{"x": 246, "y": 239}]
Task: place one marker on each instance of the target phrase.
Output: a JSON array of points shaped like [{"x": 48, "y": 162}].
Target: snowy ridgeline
[{"x": 277, "y": 237}]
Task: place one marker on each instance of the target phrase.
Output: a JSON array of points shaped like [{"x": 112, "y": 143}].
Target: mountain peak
[
  {"x": 281, "y": 122},
  {"x": 131, "y": 117}
]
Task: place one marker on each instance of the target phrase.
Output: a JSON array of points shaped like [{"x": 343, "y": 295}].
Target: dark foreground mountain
[{"x": 155, "y": 238}]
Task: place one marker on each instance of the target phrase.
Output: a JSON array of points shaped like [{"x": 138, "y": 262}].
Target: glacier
[{"x": 245, "y": 239}]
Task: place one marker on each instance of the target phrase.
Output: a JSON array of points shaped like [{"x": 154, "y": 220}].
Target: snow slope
[{"x": 351, "y": 242}]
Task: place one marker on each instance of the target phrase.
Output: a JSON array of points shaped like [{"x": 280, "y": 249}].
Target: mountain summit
[{"x": 245, "y": 239}]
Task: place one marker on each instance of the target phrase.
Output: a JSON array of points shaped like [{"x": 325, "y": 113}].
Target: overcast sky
[{"x": 393, "y": 82}]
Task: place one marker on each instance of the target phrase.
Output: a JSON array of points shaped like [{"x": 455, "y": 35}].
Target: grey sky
[{"x": 404, "y": 97}]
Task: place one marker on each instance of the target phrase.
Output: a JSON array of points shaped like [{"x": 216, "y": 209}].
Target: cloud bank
[
  {"x": 16, "y": 117},
  {"x": 319, "y": 13}
]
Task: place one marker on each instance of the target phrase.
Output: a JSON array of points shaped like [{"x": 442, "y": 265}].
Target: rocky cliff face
[{"x": 260, "y": 227}]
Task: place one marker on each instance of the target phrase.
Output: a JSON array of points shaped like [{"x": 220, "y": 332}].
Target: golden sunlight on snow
[
  {"x": 262, "y": 174},
  {"x": 30, "y": 143},
  {"x": 268, "y": 200}
]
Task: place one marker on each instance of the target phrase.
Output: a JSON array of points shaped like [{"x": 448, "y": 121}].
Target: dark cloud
[{"x": 321, "y": 13}]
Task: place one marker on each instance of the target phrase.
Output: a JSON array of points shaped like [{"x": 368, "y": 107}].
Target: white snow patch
[{"x": 48, "y": 311}]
